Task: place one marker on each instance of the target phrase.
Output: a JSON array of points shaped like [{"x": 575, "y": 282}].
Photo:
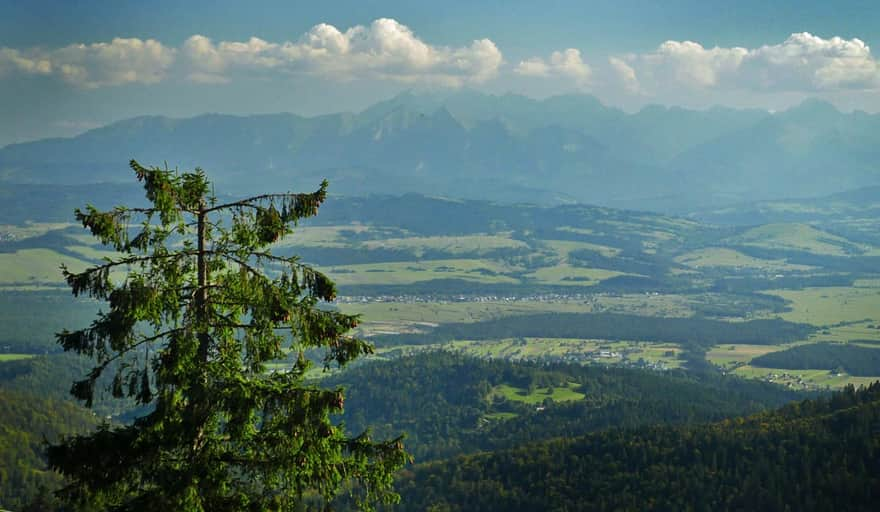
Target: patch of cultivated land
[
  {"x": 797, "y": 237},
  {"x": 408, "y": 272},
  {"x": 565, "y": 274},
  {"x": 321, "y": 236},
  {"x": 14, "y": 357},
  {"x": 573, "y": 350},
  {"x": 723, "y": 355},
  {"x": 453, "y": 312},
  {"x": 722, "y": 257},
  {"x": 449, "y": 244},
  {"x": 33, "y": 266},
  {"x": 803, "y": 379},
  {"x": 564, "y": 247},
  {"x": 828, "y": 306}
]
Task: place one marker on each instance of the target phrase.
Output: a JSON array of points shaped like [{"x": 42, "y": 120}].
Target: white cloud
[
  {"x": 118, "y": 62},
  {"x": 625, "y": 74},
  {"x": 566, "y": 64},
  {"x": 802, "y": 63},
  {"x": 386, "y": 49}
]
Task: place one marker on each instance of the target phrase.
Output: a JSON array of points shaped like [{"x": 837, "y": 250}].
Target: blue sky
[{"x": 69, "y": 65}]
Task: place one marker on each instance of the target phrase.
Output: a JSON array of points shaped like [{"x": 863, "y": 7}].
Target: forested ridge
[
  {"x": 696, "y": 332},
  {"x": 27, "y": 421},
  {"x": 850, "y": 358},
  {"x": 821, "y": 454},
  {"x": 446, "y": 405}
]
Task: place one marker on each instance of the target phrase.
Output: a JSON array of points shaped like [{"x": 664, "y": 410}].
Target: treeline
[
  {"x": 852, "y": 359},
  {"x": 818, "y": 455},
  {"x": 445, "y": 403},
  {"x": 693, "y": 331}
]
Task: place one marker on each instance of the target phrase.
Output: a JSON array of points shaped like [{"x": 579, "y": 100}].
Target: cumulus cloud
[
  {"x": 121, "y": 61},
  {"x": 567, "y": 64},
  {"x": 386, "y": 49},
  {"x": 802, "y": 63},
  {"x": 625, "y": 75}
]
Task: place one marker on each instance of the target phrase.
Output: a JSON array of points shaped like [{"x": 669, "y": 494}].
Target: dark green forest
[
  {"x": 821, "y": 454},
  {"x": 444, "y": 404}
]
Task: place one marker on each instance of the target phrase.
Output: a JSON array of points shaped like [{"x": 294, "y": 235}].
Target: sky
[{"x": 67, "y": 66}]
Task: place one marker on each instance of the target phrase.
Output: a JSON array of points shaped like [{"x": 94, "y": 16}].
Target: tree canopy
[{"x": 197, "y": 307}]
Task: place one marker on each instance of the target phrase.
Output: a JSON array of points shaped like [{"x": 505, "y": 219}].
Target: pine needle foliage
[{"x": 197, "y": 307}]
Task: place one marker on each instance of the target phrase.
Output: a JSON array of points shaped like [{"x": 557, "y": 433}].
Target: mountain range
[{"x": 508, "y": 148}]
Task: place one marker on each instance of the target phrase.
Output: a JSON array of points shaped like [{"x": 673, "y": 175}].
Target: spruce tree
[{"x": 197, "y": 305}]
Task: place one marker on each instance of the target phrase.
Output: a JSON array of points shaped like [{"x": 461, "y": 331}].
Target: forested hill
[
  {"x": 448, "y": 404},
  {"x": 822, "y": 454},
  {"x": 27, "y": 421}
]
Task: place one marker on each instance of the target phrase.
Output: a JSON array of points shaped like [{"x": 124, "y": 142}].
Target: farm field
[
  {"x": 798, "y": 237},
  {"x": 446, "y": 311},
  {"x": 828, "y": 306},
  {"x": 35, "y": 266},
  {"x": 728, "y": 354},
  {"x": 803, "y": 379},
  {"x": 724, "y": 257},
  {"x": 408, "y": 272},
  {"x": 479, "y": 244},
  {"x": 664, "y": 355}
]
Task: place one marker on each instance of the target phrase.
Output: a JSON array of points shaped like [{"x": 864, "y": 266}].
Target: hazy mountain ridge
[{"x": 509, "y": 148}]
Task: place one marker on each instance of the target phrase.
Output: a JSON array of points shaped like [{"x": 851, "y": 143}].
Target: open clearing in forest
[{"x": 567, "y": 393}]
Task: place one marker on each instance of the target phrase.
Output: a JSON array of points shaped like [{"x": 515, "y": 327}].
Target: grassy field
[
  {"x": 724, "y": 355},
  {"x": 320, "y": 236},
  {"x": 564, "y": 247},
  {"x": 445, "y": 312},
  {"x": 92, "y": 253},
  {"x": 14, "y": 357},
  {"x": 565, "y": 274},
  {"x": 568, "y": 393},
  {"x": 722, "y": 257},
  {"x": 796, "y": 237},
  {"x": 831, "y": 305},
  {"x": 803, "y": 379},
  {"x": 574, "y": 350},
  {"x": 451, "y": 244},
  {"x": 35, "y": 266},
  {"x": 32, "y": 229},
  {"x": 408, "y": 272}
]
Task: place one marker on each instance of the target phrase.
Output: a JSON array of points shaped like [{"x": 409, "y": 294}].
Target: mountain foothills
[{"x": 510, "y": 148}]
